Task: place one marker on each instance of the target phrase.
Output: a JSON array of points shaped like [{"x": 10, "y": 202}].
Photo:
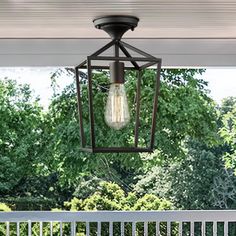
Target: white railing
[{"x": 159, "y": 223}]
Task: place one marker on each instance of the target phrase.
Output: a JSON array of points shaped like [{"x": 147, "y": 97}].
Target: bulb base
[{"x": 117, "y": 72}]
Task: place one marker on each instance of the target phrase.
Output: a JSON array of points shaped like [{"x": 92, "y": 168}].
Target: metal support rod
[
  {"x": 136, "y": 131},
  {"x": 155, "y": 103},
  {"x": 98, "y": 52},
  {"x": 123, "y": 49},
  {"x": 136, "y": 49},
  {"x": 106, "y": 67},
  {"x": 116, "y": 51},
  {"x": 101, "y": 50},
  {"x": 120, "y": 150},
  {"x": 83, "y": 142},
  {"x": 147, "y": 65},
  {"x": 90, "y": 100},
  {"x": 81, "y": 65},
  {"x": 107, "y": 58}
]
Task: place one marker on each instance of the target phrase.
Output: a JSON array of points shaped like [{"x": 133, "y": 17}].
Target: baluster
[
  {"x": 18, "y": 228},
  {"x": 214, "y": 228},
  {"x": 51, "y": 228},
  {"x": 122, "y": 229},
  {"x": 110, "y": 228},
  {"x": 226, "y": 228},
  {"x": 133, "y": 228},
  {"x": 203, "y": 228},
  {"x": 41, "y": 228},
  {"x": 168, "y": 228},
  {"x": 145, "y": 228},
  {"x": 73, "y": 228},
  {"x": 158, "y": 228},
  {"x": 180, "y": 228},
  {"x": 61, "y": 230},
  {"x": 192, "y": 228},
  {"x": 87, "y": 229},
  {"x": 29, "y": 228},
  {"x": 7, "y": 229},
  {"x": 99, "y": 229}
]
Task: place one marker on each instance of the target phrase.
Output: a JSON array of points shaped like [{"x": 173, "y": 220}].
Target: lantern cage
[{"x": 138, "y": 63}]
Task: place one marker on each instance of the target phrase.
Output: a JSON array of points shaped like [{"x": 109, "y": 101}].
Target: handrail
[{"x": 119, "y": 216}]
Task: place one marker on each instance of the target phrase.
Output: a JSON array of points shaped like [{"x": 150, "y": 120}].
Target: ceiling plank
[
  {"x": 70, "y": 52},
  {"x": 158, "y": 18}
]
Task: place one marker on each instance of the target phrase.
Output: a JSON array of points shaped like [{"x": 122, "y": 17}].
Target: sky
[
  {"x": 221, "y": 82},
  {"x": 38, "y": 78}
]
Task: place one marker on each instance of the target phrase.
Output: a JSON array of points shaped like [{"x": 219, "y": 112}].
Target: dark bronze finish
[
  {"x": 90, "y": 100},
  {"x": 116, "y": 26},
  {"x": 117, "y": 72},
  {"x": 137, "y": 109},
  {"x": 127, "y": 54},
  {"x": 80, "y": 108},
  {"x": 107, "y": 58},
  {"x": 117, "y": 67},
  {"x": 155, "y": 102},
  {"x": 117, "y": 150}
]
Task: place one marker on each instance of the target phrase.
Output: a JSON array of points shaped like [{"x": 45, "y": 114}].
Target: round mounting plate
[{"x": 116, "y": 25}]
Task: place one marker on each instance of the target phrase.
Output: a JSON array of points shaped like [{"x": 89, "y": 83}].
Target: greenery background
[{"x": 193, "y": 166}]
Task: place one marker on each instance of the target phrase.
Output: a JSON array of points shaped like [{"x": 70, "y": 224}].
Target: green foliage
[
  {"x": 4, "y": 207},
  {"x": 227, "y": 105},
  {"x": 29, "y": 203},
  {"x": 9, "y": 174},
  {"x": 190, "y": 183},
  {"x": 109, "y": 196},
  {"x": 23, "y": 173},
  {"x": 20, "y": 117},
  {"x": 40, "y": 155},
  {"x": 185, "y": 111},
  {"x": 224, "y": 191},
  {"x": 228, "y": 133}
]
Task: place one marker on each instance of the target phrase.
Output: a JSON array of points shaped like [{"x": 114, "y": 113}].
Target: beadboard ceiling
[
  {"x": 158, "y": 18},
  {"x": 61, "y": 32}
]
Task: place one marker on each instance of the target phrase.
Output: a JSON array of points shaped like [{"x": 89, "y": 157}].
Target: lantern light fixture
[{"x": 116, "y": 112}]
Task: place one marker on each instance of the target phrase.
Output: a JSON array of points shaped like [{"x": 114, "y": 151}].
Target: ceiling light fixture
[{"x": 116, "y": 112}]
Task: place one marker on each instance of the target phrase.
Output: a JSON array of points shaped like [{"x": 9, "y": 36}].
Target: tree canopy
[{"x": 192, "y": 165}]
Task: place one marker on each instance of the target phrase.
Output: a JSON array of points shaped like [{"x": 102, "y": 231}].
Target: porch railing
[{"x": 159, "y": 223}]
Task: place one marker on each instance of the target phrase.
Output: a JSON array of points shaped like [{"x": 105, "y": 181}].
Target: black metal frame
[{"x": 145, "y": 57}]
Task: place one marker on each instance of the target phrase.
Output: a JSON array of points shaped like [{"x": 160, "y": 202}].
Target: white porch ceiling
[
  {"x": 61, "y": 32},
  {"x": 158, "y": 18}
]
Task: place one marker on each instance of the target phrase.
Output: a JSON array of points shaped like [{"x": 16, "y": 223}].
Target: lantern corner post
[
  {"x": 90, "y": 101},
  {"x": 79, "y": 105},
  {"x": 137, "y": 113},
  {"x": 155, "y": 103}
]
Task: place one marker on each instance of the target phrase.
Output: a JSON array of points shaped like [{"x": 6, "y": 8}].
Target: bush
[
  {"x": 110, "y": 196},
  {"x": 4, "y": 207}
]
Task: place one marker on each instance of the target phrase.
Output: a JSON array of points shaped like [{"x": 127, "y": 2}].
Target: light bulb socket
[{"x": 117, "y": 72}]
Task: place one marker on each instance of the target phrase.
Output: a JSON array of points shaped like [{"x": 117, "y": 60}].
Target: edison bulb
[{"x": 117, "y": 111}]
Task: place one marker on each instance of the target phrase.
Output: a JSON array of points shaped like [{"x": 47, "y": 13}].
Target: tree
[
  {"x": 188, "y": 182},
  {"x": 228, "y": 132},
  {"x": 110, "y": 196},
  {"x": 185, "y": 111},
  {"x": 224, "y": 190},
  {"x": 20, "y": 118}
]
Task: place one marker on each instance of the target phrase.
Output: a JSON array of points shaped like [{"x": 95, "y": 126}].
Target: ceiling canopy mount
[{"x": 116, "y": 25}]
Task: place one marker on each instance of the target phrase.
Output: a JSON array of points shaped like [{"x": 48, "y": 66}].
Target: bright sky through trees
[{"x": 222, "y": 82}]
